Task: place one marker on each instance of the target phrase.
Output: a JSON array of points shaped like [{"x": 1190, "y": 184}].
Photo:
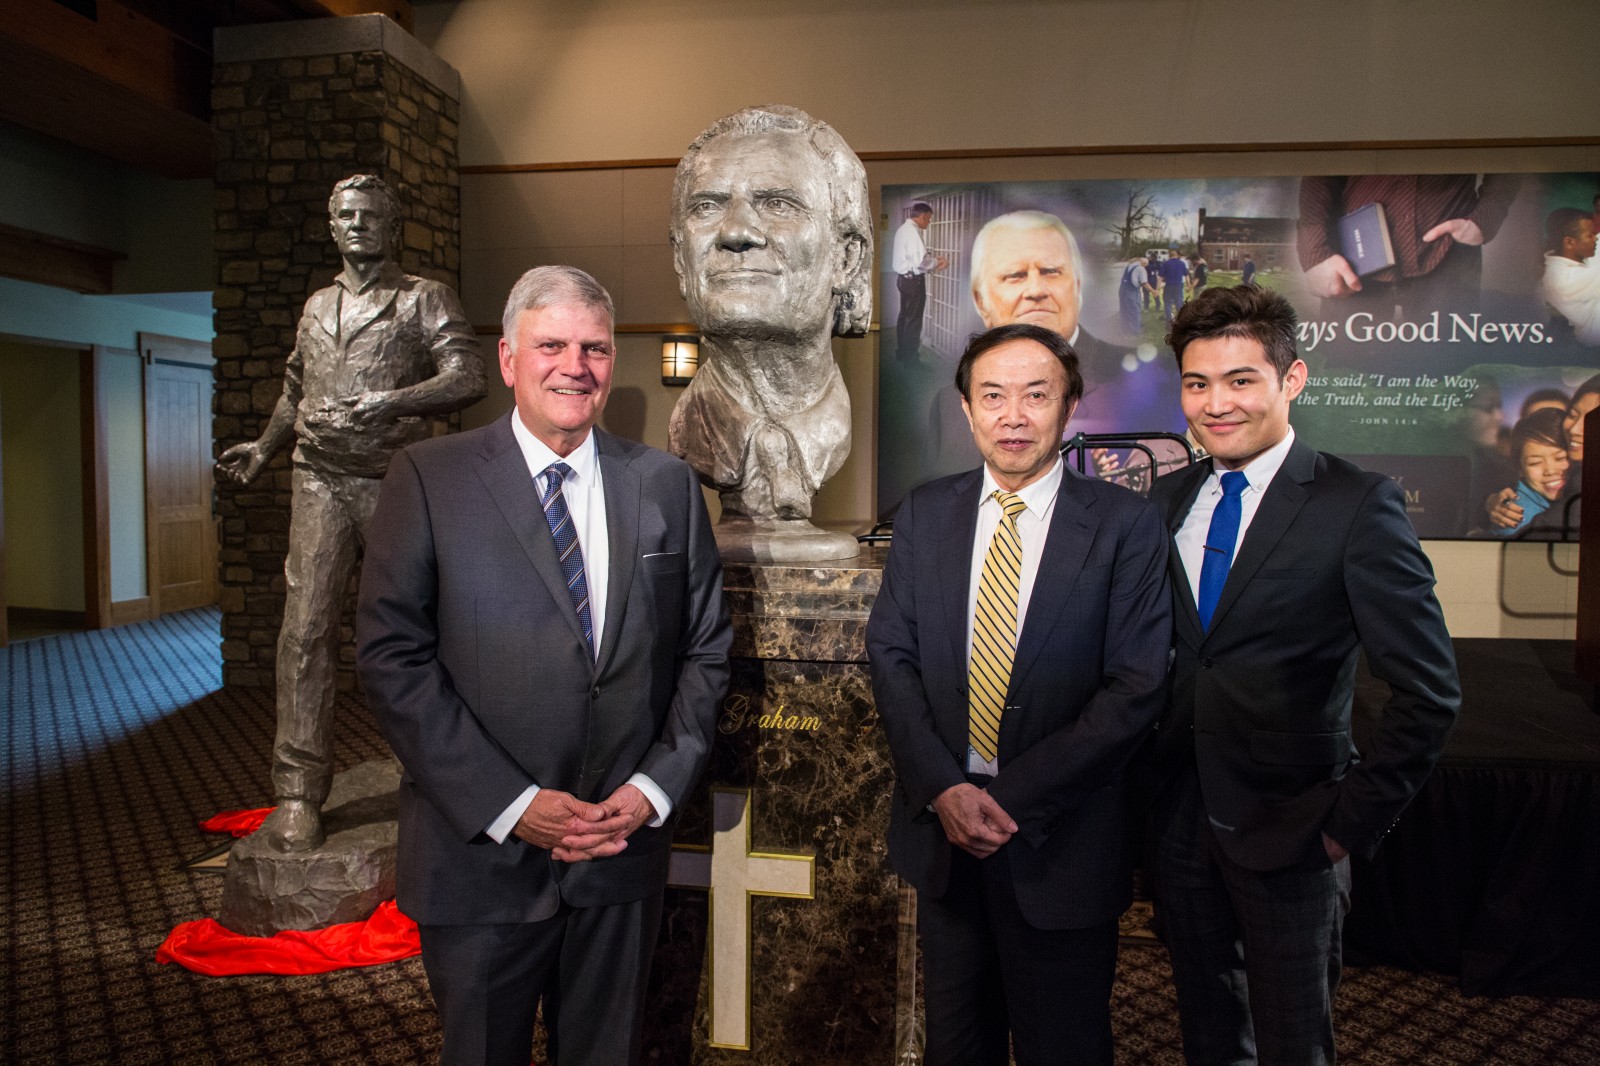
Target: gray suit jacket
[{"x": 480, "y": 679}]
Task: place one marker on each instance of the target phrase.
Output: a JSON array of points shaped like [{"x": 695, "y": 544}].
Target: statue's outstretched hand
[{"x": 242, "y": 462}]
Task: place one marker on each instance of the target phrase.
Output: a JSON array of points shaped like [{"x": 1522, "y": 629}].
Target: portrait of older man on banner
[{"x": 1027, "y": 267}]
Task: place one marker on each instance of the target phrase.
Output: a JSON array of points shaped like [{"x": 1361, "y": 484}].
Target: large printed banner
[{"x": 1451, "y": 323}]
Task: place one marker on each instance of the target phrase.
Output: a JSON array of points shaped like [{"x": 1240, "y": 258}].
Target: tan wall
[
  {"x": 550, "y": 80},
  {"x": 39, "y": 450},
  {"x": 546, "y": 82}
]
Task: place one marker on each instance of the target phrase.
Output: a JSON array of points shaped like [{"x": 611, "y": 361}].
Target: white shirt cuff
[
  {"x": 652, "y": 792},
  {"x": 502, "y": 826}
]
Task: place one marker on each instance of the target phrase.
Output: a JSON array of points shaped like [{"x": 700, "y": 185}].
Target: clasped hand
[
  {"x": 972, "y": 820},
  {"x": 368, "y": 408},
  {"x": 1503, "y": 508},
  {"x": 347, "y": 412},
  {"x": 576, "y": 831}
]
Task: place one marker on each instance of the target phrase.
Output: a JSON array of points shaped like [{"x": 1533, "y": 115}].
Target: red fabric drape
[
  {"x": 206, "y": 947},
  {"x": 239, "y": 823}
]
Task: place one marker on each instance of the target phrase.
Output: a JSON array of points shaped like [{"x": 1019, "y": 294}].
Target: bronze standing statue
[
  {"x": 772, "y": 242},
  {"x": 378, "y": 352}
]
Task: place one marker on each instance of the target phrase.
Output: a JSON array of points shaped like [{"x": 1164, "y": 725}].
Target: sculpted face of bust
[{"x": 758, "y": 256}]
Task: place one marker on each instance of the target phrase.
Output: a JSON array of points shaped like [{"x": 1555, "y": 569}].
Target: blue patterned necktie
[
  {"x": 566, "y": 537},
  {"x": 1220, "y": 539}
]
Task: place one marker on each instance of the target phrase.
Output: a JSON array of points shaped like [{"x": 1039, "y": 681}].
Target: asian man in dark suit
[
  {"x": 1010, "y": 815},
  {"x": 543, "y": 641},
  {"x": 1287, "y": 563}
]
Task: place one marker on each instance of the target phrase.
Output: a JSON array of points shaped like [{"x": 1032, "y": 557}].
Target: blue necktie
[
  {"x": 566, "y": 537},
  {"x": 1219, "y": 544}
]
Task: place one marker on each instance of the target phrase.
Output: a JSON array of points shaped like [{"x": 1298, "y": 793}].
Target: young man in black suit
[{"x": 1286, "y": 564}]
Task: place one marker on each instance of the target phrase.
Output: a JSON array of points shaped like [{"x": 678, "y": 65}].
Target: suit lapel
[
  {"x": 1178, "y": 507},
  {"x": 370, "y": 312},
  {"x": 373, "y": 303},
  {"x": 1284, "y": 497},
  {"x": 504, "y": 473},
  {"x": 324, "y": 306},
  {"x": 624, "y": 492},
  {"x": 1066, "y": 546},
  {"x": 959, "y": 525}
]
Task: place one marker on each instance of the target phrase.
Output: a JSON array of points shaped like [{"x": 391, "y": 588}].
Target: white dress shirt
[
  {"x": 910, "y": 251},
  {"x": 584, "y": 491},
  {"x": 1033, "y": 525},
  {"x": 1191, "y": 536},
  {"x": 1573, "y": 289}
]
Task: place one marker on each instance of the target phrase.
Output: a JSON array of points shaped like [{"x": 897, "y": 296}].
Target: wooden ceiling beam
[
  {"x": 46, "y": 260},
  {"x": 120, "y": 84},
  {"x": 399, "y": 11},
  {"x": 63, "y": 101},
  {"x": 120, "y": 46},
  {"x": 132, "y": 82}
]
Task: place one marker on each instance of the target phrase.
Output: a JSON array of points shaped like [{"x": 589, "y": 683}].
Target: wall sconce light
[{"x": 680, "y": 358}]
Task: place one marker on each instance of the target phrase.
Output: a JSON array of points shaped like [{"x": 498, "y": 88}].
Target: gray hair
[
  {"x": 379, "y": 188},
  {"x": 1023, "y": 221},
  {"x": 847, "y": 189},
  {"x": 549, "y": 286}
]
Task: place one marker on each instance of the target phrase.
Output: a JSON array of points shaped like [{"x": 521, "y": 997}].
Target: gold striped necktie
[{"x": 994, "y": 629}]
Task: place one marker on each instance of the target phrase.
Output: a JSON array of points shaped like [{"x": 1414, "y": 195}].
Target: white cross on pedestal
[{"x": 733, "y": 873}]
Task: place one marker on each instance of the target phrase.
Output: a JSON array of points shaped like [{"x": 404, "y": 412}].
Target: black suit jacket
[
  {"x": 1086, "y": 688},
  {"x": 1261, "y": 702},
  {"x": 481, "y": 681},
  {"x": 1099, "y": 361}
]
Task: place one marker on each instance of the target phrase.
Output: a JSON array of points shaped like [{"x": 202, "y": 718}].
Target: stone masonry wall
[{"x": 285, "y": 131}]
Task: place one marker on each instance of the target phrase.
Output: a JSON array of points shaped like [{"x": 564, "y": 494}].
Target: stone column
[
  {"x": 295, "y": 107},
  {"x": 825, "y": 975}
]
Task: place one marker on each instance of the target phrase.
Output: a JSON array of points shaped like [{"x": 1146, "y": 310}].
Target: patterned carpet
[{"x": 115, "y": 743}]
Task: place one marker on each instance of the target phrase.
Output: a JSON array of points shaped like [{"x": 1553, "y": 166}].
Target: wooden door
[{"x": 181, "y": 540}]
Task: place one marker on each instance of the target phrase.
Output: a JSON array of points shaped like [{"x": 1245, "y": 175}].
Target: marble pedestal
[
  {"x": 265, "y": 891},
  {"x": 800, "y": 771}
]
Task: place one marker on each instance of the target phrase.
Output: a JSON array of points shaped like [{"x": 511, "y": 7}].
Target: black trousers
[
  {"x": 1255, "y": 954},
  {"x": 908, "y": 327},
  {"x": 589, "y": 965},
  {"x": 989, "y": 975}
]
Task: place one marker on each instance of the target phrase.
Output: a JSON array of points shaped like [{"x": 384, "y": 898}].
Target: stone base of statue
[
  {"x": 796, "y": 953},
  {"x": 776, "y": 540},
  {"x": 266, "y": 891}
]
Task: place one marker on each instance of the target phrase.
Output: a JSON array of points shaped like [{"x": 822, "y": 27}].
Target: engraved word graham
[{"x": 737, "y": 715}]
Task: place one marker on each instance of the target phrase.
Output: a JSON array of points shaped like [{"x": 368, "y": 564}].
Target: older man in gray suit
[{"x": 542, "y": 635}]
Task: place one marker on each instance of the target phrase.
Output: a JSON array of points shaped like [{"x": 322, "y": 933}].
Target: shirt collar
[
  {"x": 1038, "y": 495},
  {"x": 387, "y": 277},
  {"x": 539, "y": 456},
  {"x": 1263, "y": 468}
]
